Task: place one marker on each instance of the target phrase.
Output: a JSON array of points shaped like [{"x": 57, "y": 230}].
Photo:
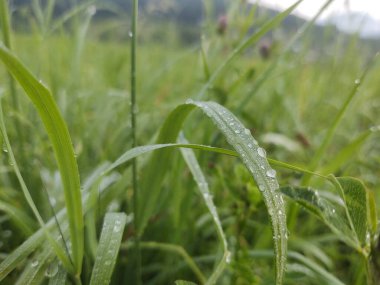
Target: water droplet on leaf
[
  {"x": 261, "y": 152},
  {"x": 271, "y": 173}
]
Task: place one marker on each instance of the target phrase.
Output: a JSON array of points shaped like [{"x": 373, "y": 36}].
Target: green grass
[{"x": 274, "y": 180}]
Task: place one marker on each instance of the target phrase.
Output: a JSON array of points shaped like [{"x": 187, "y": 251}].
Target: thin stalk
[{"x": 133, "y": 35}]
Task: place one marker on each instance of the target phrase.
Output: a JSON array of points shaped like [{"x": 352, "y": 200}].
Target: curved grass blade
[
  {"x": 200, "y": 179},
  {"x": 253, "y": 157},
  {"x": 245, "y": 44},
  {"x": 108, "y": 248},
  {"x": 64, "y": 153}
]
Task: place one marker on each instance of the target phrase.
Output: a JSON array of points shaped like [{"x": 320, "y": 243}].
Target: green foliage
[{"x": 208, "y": 206}]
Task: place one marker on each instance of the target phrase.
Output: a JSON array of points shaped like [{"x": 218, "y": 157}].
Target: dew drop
[
  {"x": 228, "y": 257},
  {"x": 108, "y": 262},
  {"x": 250, "y": 145},
  {"x": 116, "y": 228},
  {"x": 35, "y": 263},
  {"x": 357, "y": 81},
  {"x": 247, "y": 132},
  {"x": 261, "y": 152},
  {"x": 333, "y": 211},
  {"x": 261, "y": 187},
  {"x": 189, "y": 101},
  {"x": 53, "y": 201},
  {"x": 130, "y": 34},
  {"x": 52, "y": 270},
  {"x": 271, "y": 173},
  {"x": 91, "y": 10},
  {"x": 237, "y": 132},
  {"x": 5, "y": 150}
]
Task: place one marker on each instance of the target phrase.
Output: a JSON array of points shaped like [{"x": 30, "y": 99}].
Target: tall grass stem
[{"x": 133, "y": 36}]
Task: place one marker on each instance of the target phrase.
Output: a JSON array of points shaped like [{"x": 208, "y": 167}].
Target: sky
[{"x": 369, "y": 24}]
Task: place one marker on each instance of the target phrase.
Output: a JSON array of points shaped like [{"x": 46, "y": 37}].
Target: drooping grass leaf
[
  {"x": 59, "y": 136},
  {"x": 200, "y": 179},
  {"x": 253, "y": 156},
  {"x": 108, "y": 248},
  {"x": 332, "y": 214}
]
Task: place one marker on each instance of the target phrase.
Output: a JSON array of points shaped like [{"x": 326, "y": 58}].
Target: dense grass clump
[{"x": 132, "y": 157}]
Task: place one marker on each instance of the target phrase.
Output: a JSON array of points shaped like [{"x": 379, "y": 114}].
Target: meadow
[{"x": 249, "y": 156}]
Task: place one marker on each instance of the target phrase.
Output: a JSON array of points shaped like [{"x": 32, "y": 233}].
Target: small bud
[
  {"x": 222, "y": 24},
  {"x": 265, "y": 49}
]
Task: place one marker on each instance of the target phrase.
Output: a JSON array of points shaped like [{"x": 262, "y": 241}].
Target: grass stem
[{"x": 133, "y": 36}]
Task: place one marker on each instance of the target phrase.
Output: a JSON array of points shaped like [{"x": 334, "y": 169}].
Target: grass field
[{"x": 229, "y": 168}]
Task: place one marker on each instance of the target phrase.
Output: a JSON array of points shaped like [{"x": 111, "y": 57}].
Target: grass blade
[
  {"x": 36, "y": 269},
  {"x": 62, "y": 145},
  {"x": 200, "y": 179},
  {"x": 108, "y": 249}
]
